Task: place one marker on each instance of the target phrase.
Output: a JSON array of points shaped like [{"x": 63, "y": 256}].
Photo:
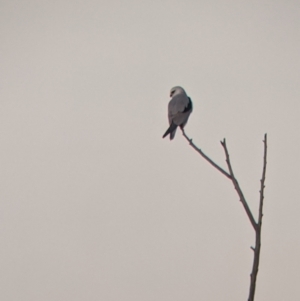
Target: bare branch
[
  {"x": 259, "y": 226},
  {"x": 237, "y": 187},
  {"x": 205, "y": 157},
  {"x": 262, "y": 182},
  {"x": 256, "y": 225}
]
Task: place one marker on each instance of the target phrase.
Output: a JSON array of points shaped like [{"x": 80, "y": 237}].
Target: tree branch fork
[{"x": 256, "y": 225}]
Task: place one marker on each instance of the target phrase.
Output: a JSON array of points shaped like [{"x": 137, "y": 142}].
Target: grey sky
[{"x": 94, "y": 205}]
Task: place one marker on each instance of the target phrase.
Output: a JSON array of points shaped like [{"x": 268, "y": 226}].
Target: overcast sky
[{"x": 94, "y": 204}]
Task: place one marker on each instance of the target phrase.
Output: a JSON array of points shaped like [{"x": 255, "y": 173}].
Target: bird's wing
[{"x": 180, "y": 107}]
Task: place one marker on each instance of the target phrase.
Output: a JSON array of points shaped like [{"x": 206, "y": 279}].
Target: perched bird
[{"x": 179, "y": 109}]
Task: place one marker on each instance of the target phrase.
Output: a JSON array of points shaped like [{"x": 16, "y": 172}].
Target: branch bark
[{"x": 256, "y": 225}]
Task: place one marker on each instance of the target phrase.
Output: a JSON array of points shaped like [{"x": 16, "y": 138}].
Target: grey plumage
[{"x": 179, "y": 110}]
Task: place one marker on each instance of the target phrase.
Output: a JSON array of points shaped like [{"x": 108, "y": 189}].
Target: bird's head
[{"x": 176, "y": 90}]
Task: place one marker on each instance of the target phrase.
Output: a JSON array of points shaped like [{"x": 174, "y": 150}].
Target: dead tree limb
[
  {"x": 237, "y": 186},
  {"x": 220, "y": 169},
  {"x": 256, "y": 225},
  {"x": 256, "y": 249}
]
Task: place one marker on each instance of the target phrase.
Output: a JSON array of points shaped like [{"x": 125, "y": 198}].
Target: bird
[{"x": 179, "y": 109}]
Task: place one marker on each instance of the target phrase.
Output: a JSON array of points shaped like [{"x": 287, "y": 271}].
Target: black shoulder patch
[{"x": 189, "y": 107}]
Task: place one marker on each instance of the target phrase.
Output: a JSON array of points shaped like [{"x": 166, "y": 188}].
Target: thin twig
[
  {"x": 237, "y": 187},
  {"x": 262, "y": 182},
  {"x": 259, "y": 226},
  {"x": 205, "y": 156}
]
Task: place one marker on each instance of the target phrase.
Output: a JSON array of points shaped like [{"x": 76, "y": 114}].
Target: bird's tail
[{"x": 171, "y": 130}]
